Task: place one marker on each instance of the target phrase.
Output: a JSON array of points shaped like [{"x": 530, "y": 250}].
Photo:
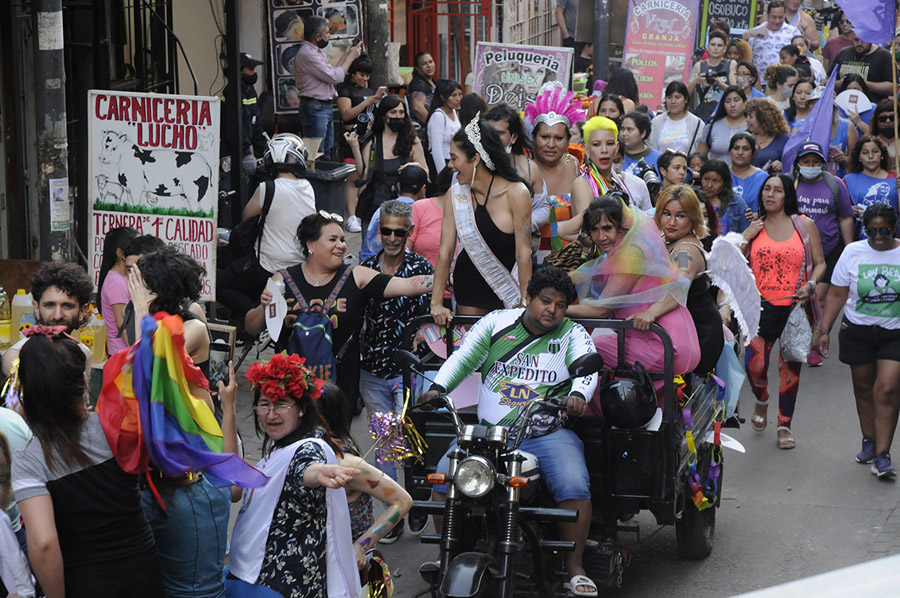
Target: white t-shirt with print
[{"x": 873, "y": 278}]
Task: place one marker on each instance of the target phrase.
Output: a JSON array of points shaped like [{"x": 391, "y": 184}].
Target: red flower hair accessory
[{"x": 284, "y": 375}]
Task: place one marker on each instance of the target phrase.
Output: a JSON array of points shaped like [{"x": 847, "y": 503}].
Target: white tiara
[
  {"x": 473, "y": 134},
  {"x": 552, "y": 118}
]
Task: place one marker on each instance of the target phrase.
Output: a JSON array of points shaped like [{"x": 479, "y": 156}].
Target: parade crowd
[{"x": 595, "y": 206}]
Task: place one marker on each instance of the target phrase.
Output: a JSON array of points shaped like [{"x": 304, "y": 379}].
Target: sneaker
[
  {"x": 882, "y": 466},
  {"x": 395, "y": 533},
  {"x": 354, "y": 225},
  {"x": 815, "y": 358},
  {"x": 867, "y": 454},
  {"x": 417, "y": 523}
]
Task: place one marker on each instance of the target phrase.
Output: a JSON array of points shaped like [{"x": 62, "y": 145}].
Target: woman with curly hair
[
  {"x": 870, "y": 180},
  {"x": 767, "y": 125},
  {"x": 738, "y": 50},
  {"x": 189, "y": 516}
]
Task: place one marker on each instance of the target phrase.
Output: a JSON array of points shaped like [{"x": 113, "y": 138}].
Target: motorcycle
[
  {"x": 499, "y": 534},
  {"x": 672, "y": 468}
]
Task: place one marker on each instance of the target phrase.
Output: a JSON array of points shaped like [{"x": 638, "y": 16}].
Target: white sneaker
[{"x": 354, "y": 225}]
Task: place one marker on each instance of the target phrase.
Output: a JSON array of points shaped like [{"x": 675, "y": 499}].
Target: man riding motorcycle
[{"x": 521, "y": 353}]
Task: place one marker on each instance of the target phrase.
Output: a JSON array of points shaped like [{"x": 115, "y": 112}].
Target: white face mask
[{"x": 810, "y": 172}]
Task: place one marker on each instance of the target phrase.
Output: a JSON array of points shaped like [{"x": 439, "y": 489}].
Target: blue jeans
[
  {"x": 561, "y": 458},
  {"x": 192, "y": 539},
  {"x": 382, "y": 395},
  {"x": 317, "y": 120}
]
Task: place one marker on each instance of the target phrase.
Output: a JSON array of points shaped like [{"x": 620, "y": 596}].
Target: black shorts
[
  {"x": 772, "y": 320},
  {"x": 867, "y": 344},
  {"x": 831, "y": 259}
]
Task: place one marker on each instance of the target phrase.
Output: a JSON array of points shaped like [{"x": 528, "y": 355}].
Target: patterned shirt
[
  {"x": 516, "y": 366},
  {"x": 294, "y": 563},
  {"x": 765, "y": 51},
  {"x": 386, "y": 320}
]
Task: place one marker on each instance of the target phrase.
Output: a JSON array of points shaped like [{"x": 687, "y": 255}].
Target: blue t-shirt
[
  {"x": 867, "y": 190},
  {"x": 771, "y": 152},
  {"x": 749, "y": 188},
  {"x": 629, "y": 165},
  {"x": 371, "y": 243}
]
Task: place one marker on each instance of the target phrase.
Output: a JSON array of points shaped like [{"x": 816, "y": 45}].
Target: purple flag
[
  {"x": 816, "y": 127},
  {"x": 872, "y": 20}
]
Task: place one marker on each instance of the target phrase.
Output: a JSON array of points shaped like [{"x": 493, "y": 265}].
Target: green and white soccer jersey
[{"x": 516, "y": 366}]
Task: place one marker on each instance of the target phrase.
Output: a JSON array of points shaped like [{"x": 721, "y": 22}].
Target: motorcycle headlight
[{"x": 474, "y": 477}]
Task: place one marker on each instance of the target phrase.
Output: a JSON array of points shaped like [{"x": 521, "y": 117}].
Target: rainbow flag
[{"x": 149, "y": 414}]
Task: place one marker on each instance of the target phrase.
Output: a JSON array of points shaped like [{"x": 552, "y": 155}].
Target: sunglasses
[
  {"x": 397, "y": 232},
  {"x": 331, "y": 216},
  {"x": 883, "y": 231},
  {"x": 886, "y": 118},
  {"x": 675, "y": 153}
]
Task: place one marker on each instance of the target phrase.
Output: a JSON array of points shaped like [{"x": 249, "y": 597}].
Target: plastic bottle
[
  {"x": 22, "y": 313},
  {"x": 93, "y": 336},
  {"x": 5, "y": 321},
  {"x": 99, "y": 353}
]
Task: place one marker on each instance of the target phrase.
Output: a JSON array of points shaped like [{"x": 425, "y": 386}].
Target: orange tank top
[{"x": 777, "y": 266}]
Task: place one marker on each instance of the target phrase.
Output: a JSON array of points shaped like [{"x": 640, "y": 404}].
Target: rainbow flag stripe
[{"x": 150, "y": 415}]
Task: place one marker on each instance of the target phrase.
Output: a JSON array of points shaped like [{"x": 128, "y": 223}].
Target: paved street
[{"x": 785, "y": 515}]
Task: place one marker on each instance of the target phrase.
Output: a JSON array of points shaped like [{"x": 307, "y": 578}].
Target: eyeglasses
[
  {"x": 397, "y": 232},
  {"x": 886, "y": 118},
  {"x": 280, "y": 408},
  {"x": 883, "y": 231},
  {"x": 331, "y": 216}
]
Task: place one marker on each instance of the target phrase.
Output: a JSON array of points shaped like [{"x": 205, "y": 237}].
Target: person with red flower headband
[{"x": 304, "y": 502}]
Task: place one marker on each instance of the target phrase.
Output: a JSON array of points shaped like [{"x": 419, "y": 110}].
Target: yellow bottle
[
  {"x": 22, "y": 313},
  {"x": 6, "y": 338},
  {"x": 98, "y": 354}
]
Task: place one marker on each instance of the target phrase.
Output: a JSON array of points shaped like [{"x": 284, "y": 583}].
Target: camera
[
  {"x": 711, "y": 78},
  {"x": 646, "y": 173}
]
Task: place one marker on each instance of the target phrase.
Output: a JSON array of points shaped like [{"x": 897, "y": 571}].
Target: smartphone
[
  {"x": 381, "y": 90},
  {"x": 220, "y": 353}
]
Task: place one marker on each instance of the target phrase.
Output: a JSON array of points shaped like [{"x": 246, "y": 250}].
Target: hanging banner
[
  {"x": 513, "y": 75},
  {"x": 659, "y": 44},
  {"x": 153, "y": 166},
  {"x": 739, "y": 14},
  {"x": 286, "y": 31}
]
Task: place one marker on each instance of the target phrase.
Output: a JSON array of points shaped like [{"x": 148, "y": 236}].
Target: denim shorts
[{"x": 561, "y": 458}]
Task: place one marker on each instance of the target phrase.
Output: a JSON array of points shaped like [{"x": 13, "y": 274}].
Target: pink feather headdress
[{"x": 552, "y": 105}]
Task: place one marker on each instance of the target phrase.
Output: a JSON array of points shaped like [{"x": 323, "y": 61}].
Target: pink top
[
  {"x": 115, "y": 292},
  {"x": 426, "y": 236},
  {"x": 313, "y": 75}
]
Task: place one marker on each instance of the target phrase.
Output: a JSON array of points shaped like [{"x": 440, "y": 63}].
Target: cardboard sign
[
  {"x": 739, "y": 14},
  {"x": 513, "y": 75},
  {"x": 153, "y": 165},
  {"x": 659, "y": 44}
]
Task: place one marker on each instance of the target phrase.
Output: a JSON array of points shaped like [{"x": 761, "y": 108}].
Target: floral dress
[{"x": 294, "y": 563}]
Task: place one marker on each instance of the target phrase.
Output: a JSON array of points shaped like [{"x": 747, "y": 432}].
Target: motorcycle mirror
[
  {"x": 586, "y": 365},
  {"x": 406, "y": 359}
]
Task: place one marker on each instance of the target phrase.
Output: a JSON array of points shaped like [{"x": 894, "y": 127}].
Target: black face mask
[
  {"x": 250, "y": 79},
  {"x": 886, "y": 131},
  {"x": 395, "y": 124},
  {"x": 322, "y": 43}
]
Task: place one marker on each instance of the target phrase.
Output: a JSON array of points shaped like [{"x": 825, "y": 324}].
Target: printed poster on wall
[
  {"x": 286, "y": 32},
  {"x": 513, "y": 74},
  {"x": 153, "y": 166},
  {"x": 659, "y": 44}
]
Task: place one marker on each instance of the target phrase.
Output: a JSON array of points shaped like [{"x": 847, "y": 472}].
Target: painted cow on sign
[{"x": 148, "y": 175}]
